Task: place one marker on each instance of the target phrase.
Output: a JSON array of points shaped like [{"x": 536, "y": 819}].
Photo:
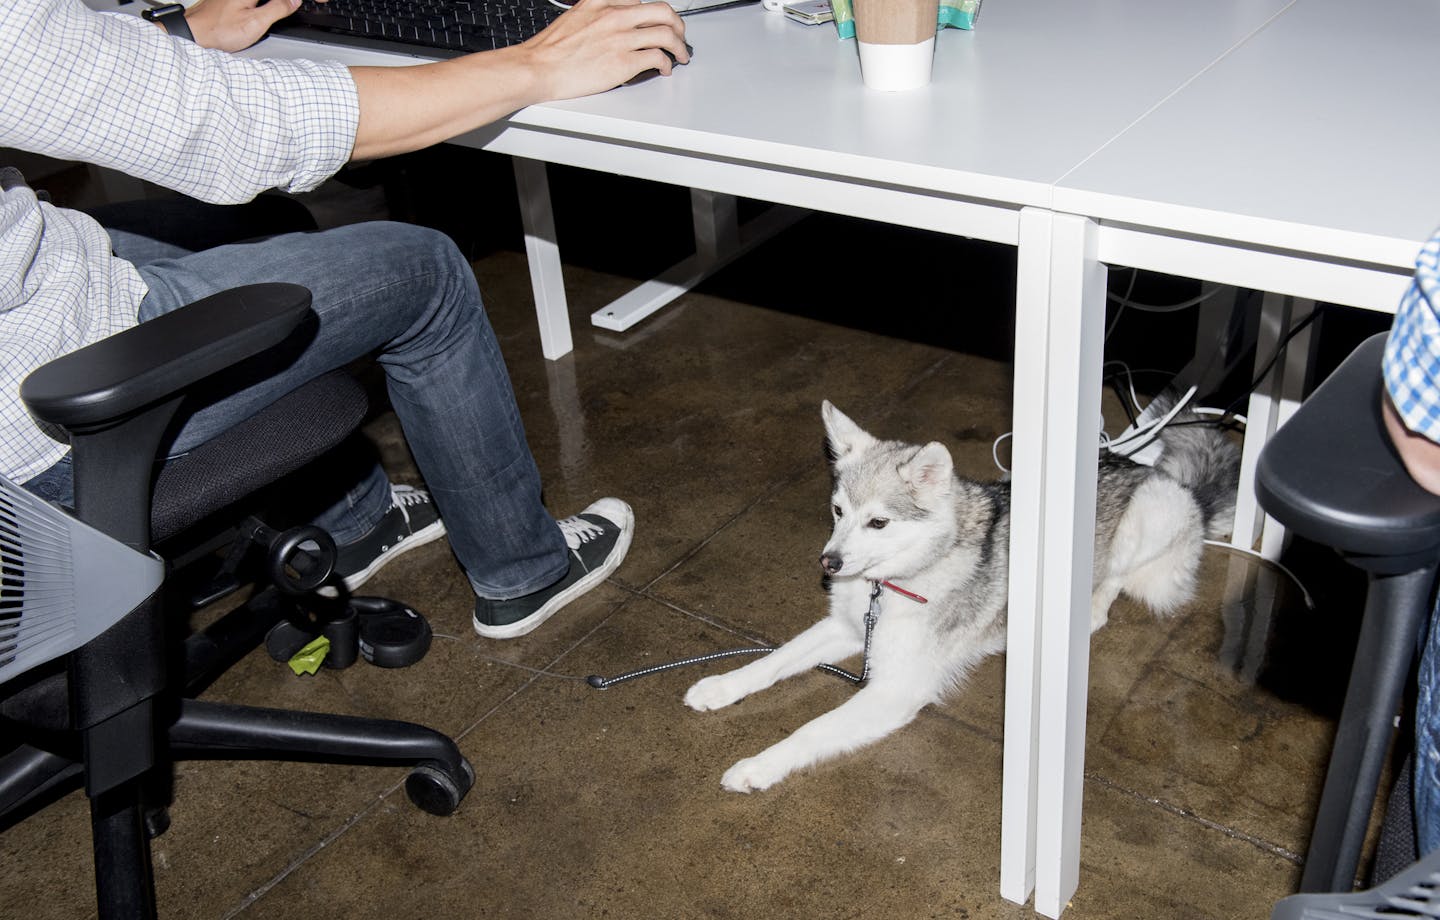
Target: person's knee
[
  {"x": 444, "y": 289},
  {"x": 424, "y": 247}
]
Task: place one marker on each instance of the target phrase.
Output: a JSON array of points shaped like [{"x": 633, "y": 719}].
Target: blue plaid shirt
[
  {"x": 1412, "y": 353},
  {"x": 115, "y": 90}
]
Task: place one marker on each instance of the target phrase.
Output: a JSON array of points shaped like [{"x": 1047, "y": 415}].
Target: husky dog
[{"x": 927, "y": 551}]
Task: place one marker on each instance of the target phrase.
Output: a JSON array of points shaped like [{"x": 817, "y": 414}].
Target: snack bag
[{"x": 958, "y": 14}]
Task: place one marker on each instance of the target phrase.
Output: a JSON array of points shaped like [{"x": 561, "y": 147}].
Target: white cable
[
  {"x": 1220, "y": 413},
  {"x": 1148, "y": 433},
  {"x": 1129, "y": 381},
  {"x": 1165, "y": 307},
  {"x": 1309, "y": 601},
  {"x": 1122, "y": 301},
  {"x": 995, "y": 453}
]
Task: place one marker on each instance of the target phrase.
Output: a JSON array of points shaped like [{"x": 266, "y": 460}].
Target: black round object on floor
[
  {"x": 391, "y": 634},
  {"x": 285, "y": 639}
]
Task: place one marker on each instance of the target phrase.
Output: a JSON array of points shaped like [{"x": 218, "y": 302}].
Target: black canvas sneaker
[
  {"x": 412, "y": 521},
  {"x": 598, "y": 538}
]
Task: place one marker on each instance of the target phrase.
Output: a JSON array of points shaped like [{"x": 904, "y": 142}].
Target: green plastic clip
[{"x": 309, "y": 658}]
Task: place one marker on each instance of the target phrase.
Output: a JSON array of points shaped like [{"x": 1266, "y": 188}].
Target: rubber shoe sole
[{"x": 427, "y": 534}]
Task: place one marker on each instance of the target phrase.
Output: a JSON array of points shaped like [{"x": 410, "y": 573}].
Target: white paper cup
[{"x": 892, "y": 68}]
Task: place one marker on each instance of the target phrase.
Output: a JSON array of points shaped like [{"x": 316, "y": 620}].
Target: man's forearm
[
  {"x": 407, "y": 108},
  {"x": 596, "y": 46}
]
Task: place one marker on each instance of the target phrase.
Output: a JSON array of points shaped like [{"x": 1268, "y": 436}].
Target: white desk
[
  {"x": 1301, "y": 164},
  {"x": 776, "y": 111}
]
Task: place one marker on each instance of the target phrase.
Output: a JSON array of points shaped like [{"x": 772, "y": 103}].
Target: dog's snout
[{"x": 831, "y": 563}]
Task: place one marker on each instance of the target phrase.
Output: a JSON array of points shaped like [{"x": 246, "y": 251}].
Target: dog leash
[{"x": 871, "y": 616}]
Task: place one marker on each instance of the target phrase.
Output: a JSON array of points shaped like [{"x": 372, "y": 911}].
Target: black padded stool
[{"x": 1331, "y": 475}]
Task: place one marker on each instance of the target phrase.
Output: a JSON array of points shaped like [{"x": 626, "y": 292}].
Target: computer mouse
[
  {"x": 644, "y": 77},
  {"x": 673, "y": 61}
]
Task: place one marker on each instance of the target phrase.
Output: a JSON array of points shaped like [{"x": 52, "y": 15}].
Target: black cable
[
  {"x": 1259, "y": 378},
  {"x": 1270, "y": 365},
  {"x": 1124, "y": 398}
]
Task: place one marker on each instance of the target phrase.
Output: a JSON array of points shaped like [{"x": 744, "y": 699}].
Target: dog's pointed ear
[
  {"x": 930, "y": 470},
  {"x": 842, "y": 434}
]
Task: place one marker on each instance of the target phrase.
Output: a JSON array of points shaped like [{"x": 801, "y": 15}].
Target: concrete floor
[{"x": 1207, "y": 732}]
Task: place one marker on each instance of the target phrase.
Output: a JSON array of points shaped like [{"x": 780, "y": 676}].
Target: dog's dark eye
[
  {"x": 835, "y": 509},
  {"x": 878, "y": 523}
]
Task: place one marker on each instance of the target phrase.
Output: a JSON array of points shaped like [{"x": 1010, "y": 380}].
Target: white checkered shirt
[
  {"x": 117, "y": 91},
  {"x": 1412, "y": 353}
]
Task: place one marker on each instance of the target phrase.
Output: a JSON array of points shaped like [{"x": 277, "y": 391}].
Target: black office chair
[
  {"x": 1413, "y": 893},
  {"x": 113, "y": 713},
  {"x": 1331, "y": 475}
]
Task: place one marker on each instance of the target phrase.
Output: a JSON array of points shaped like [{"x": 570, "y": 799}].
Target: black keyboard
[{"x": 435, "y": 28}]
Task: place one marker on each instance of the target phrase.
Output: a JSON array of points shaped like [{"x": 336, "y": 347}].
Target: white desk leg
[
  {"x": 1027, "y": 456},
  {"x": 1072, "y": 423},
  {"x": 718, "y": 242},
  {"x": 1295, "y": 375},
  {"x": 543, "y": 252},
  {"x": 717, "y": 223},
  {"x": 1259, "y": 420},
  {"x": 1273, "y": 402}
]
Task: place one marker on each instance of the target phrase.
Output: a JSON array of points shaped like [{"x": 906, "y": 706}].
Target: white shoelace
[
  {"x": 577, "y": 530},
  {"x": 404, "y": 496}
]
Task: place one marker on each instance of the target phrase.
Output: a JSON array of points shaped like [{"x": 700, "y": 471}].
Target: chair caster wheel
[
  {"x": 436, "y": 789},
  {"x": 157, "y": 822}
]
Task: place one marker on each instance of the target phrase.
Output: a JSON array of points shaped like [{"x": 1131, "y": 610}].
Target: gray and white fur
[{"x": 902, "y": 515}]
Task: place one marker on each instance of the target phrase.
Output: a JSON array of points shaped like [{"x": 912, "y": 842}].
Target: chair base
[{"x": 1397, "y": 607}]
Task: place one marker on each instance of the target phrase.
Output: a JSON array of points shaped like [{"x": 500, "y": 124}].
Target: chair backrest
[
  {"x": 1414, "y": 893},
  {"x": 62, "y": 582}
]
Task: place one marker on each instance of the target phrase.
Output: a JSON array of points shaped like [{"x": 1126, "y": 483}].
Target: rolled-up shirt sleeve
[
  {"x": 1411, "y": 364},
  {"x": 114, "y": 90}
]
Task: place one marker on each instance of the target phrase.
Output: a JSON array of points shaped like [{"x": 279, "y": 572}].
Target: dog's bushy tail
[{"x": 1206, "y": 461}]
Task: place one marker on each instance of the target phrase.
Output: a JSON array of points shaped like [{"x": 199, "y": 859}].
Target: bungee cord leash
[{"x": 871, "y": 615}]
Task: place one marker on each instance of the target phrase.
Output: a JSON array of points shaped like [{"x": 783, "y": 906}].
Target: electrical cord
[
  {"x": 1167, "y": 307},
  {"x": 1221, "y": 414},
  {"x": 1132, "y": 409},
  {"x": 1151, "y": 431},
  {"x": 1122, "y": 301},
  {"x": 1309, "y": 601},
  {"x": 995, "y": 453},
  {"x": 1270, "y": 365}
]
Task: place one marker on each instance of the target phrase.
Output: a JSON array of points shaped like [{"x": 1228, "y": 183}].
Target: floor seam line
[{"x": 1274, "y": 849}]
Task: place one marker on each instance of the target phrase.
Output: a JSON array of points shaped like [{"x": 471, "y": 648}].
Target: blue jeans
[
  {"x": 406, "y": 295},
  {"x": 1426, "y": 792}
]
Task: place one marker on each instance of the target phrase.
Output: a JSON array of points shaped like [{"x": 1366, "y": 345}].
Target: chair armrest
[
  {"x": 122, "y": 374},
  {"x": 1331, "y": 474}
]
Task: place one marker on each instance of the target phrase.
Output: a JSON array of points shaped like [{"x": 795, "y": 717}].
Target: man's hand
[
  {"x": 596, "y": 46},
  {"x": 600, "y": 44},
  {"x": 234, "y": 25}
]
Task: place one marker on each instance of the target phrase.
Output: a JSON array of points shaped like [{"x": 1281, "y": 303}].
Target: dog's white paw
[
  {"x": 712, "y": 693},
  {"x": 753, "y": 774}
]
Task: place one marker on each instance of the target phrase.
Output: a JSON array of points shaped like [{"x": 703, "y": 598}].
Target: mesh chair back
[
  {"x": 1413, "y": 894},
  {"x": 62, "y": 583}
]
